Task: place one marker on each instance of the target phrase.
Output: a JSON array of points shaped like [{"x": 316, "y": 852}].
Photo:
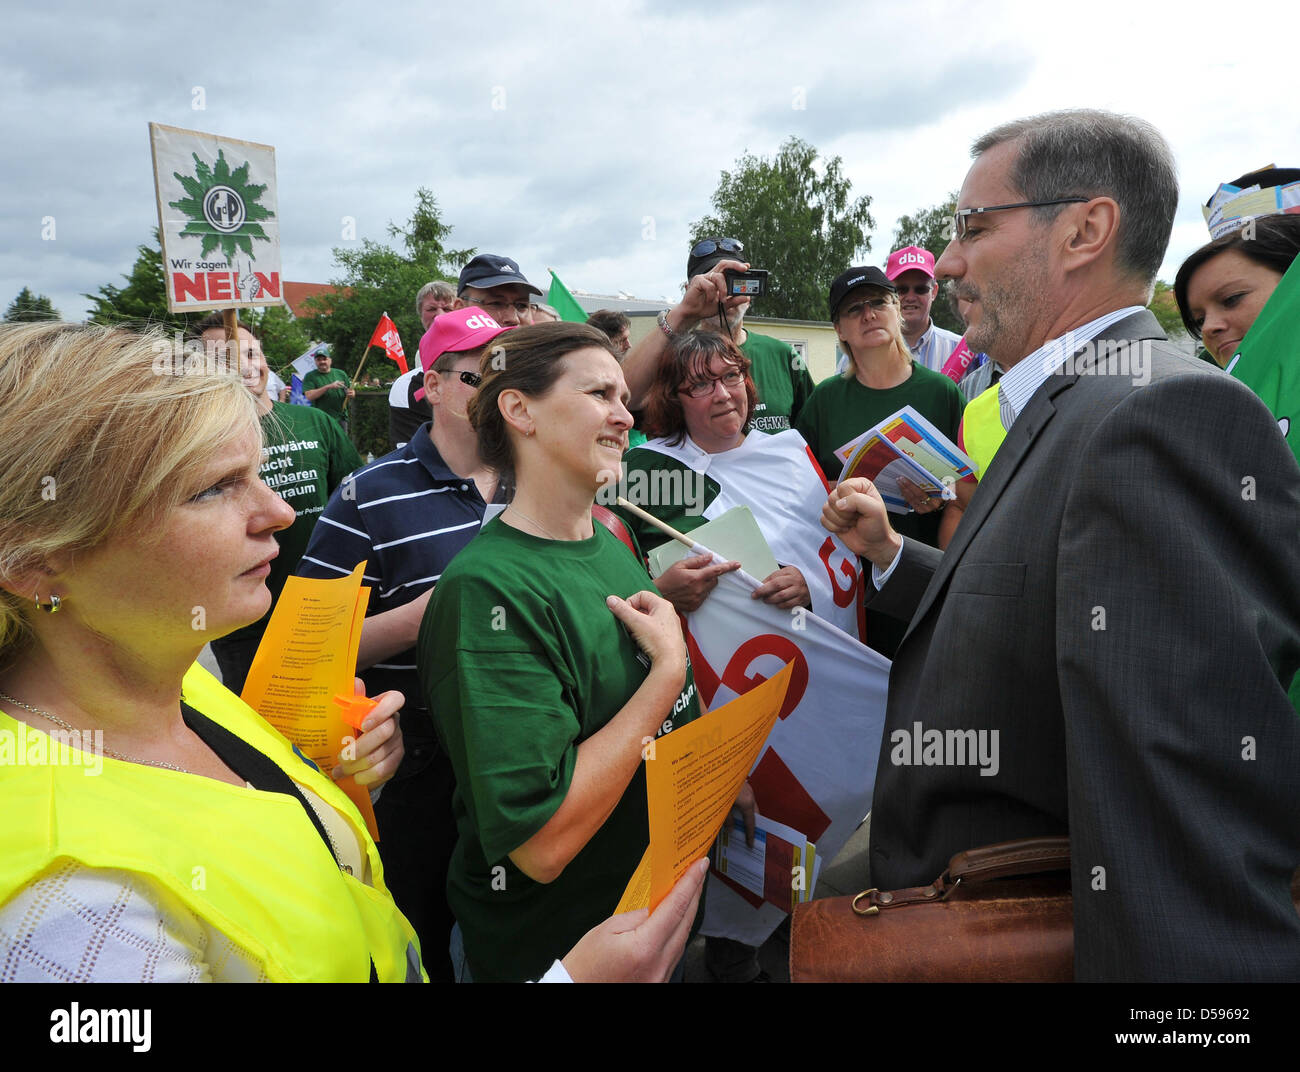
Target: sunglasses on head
[{"x": 713, "y": 245}]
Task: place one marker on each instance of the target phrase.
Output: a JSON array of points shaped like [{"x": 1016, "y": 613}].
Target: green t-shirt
[
  {"x": 783, "y": 382},
  {"x": 330, "y": 402},
  {"x": 520, "y": 661},
  {"x": 841, "y": 409},
  {"x": 305, "y": 456}
]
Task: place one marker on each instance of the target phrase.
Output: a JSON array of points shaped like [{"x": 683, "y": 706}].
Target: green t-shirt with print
[
  {"x": 305, "y": 456},
  {"x": 783, "y": 382},
  {"x": 520, "y": 661},
  {"x": 330, "y": 402}
]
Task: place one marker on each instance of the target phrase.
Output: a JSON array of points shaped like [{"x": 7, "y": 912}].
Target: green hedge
[{"x": 368, "y": 421}]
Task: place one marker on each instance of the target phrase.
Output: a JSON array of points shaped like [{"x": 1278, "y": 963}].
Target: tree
[
  {"x": 1165, "y": 309},
  {"x": 143, "y": 301},
  {"x": 931, "y": 229},
  {"x": 283, "y": 337},
  {"x": 796, "y": 220},
  {"x": 378, "y": 279},
  {"x": 28, "y": 306}
]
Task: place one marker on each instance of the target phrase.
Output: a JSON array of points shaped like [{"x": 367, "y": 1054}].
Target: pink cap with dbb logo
[
  {"x": 461, "y": 329},
  {"x": 907, "y": 258}
]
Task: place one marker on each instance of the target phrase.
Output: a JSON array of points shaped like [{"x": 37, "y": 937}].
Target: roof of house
[{"x": 295, "y": 294}]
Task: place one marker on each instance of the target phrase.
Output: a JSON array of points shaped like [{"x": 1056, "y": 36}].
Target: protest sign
[{"x": 217, "y": 220}]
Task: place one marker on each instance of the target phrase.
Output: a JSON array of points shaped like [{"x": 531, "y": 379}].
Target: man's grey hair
[
  {"x": 445, "y": 291},
  {"x": 1087, "y": 153}
]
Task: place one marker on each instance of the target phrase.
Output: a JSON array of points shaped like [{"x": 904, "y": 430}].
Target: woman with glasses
[
  {"x": 547, "y": 663},
  {"x": 698, "y": 406},
  {"x": 881, "y": 379}
]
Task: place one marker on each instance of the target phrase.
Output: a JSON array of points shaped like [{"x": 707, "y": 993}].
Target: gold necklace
[{"x": 82, "y": 734}]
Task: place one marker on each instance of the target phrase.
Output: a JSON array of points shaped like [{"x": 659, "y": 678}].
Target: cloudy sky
[{"x": 550, "y": 132}]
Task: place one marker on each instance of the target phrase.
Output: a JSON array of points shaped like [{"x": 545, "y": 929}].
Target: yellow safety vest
[
  {"x": 982, "y": 432},
  {"x": 248, "y": 862}
]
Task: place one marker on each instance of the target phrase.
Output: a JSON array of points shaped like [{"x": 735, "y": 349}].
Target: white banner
[
  {"x": 217, "y": 219},
  {"x": 818, "y": 768}
]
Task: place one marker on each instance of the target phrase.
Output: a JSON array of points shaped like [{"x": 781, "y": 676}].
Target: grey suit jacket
[{"x": 1121, "y": 606}]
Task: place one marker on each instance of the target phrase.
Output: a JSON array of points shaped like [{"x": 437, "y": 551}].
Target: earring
[{"x": 51, "y": 607}]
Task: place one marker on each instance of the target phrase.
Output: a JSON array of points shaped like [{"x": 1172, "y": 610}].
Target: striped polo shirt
[{"x": 407, "y": 515}]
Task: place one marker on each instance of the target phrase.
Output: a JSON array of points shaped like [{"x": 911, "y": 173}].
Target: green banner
[{"x": 1268, "y": 362}]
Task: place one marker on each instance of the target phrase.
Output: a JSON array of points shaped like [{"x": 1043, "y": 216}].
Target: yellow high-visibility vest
[
  {"x": 982, "y": 431},
  {"x": 250, "y": 863}
]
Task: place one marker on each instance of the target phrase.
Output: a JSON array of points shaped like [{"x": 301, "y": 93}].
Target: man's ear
[
  {"x": 514, "y": 408},
  {"x": 432, "y": 387},
  {"x": 459, "y": 303},
  {"x": 1094, "y": 228}
]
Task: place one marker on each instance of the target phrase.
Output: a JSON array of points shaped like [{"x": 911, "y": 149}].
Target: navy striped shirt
[{"x": 407, "y": 515}]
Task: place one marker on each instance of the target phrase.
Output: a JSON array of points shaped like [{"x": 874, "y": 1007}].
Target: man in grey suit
[{"x": 1117, "y": 617}]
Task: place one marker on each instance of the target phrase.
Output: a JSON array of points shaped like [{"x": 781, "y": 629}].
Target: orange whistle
[{"x": 355, "y": 709}]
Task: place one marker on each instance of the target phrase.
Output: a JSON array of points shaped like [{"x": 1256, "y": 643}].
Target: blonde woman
[{"x": 156, "y": 828}]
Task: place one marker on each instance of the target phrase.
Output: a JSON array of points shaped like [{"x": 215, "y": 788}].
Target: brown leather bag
[{"x": 1000, "y": 913}]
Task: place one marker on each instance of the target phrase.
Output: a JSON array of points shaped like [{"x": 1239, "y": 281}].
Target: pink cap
[
  {"x": 900, "y": 261},
  {"x": 461, "y": 329}
]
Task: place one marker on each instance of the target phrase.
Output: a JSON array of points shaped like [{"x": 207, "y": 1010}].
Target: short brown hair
[
  {"x": 528, "y": 360},
  {"x": 216, "y": 321},
  {"x": 610, "y": 321},
  {"x": 688, "y": 357}
]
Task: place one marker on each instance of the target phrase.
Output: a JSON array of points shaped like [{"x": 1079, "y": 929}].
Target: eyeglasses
[
  {"x": 921, "y": 289},
  {"x": 859, "y": 307},
  {"x": 496, "y": 307},
  {"x": 703, "y": 388},
  {"x": 959, "y": 217},
  {"x": 711, "y": 245},
  {"x": 469, "y": 379}
]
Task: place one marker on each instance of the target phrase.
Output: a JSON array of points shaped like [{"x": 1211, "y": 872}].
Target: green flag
[
  {"x": 559, "y": 299},
  {"x": 1268, "y": 362}
]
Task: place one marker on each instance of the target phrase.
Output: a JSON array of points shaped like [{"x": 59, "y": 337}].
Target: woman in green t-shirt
[
  {"x": 548, "y": 662},
  {"x": 881, "y": 379}
]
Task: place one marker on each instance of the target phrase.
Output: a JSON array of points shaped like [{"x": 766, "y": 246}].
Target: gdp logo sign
[{"x": 217, "y": 217}]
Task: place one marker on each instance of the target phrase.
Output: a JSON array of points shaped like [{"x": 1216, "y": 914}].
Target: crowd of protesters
[{"x": 522, "y": 653}]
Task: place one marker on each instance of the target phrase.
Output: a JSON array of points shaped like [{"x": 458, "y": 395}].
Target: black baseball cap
[
  {"x": 709, "y": 251},
  {"x": 489, "y": 270},
  {"x": 851, "y": 279}
]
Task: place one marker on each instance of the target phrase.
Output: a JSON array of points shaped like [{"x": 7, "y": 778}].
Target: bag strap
[
  {"x": 603, "y": 515},
  {"x": 1007, "y": 859}
]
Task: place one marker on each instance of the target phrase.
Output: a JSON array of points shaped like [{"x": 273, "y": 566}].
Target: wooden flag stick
[
  {"x": 230, "y": 318},
  {"x": 358, "y": 373},
  {"x": 662, "y": 526}
]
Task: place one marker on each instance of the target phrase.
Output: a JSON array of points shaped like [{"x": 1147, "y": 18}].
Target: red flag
[{"x": 386, "y": 336}]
